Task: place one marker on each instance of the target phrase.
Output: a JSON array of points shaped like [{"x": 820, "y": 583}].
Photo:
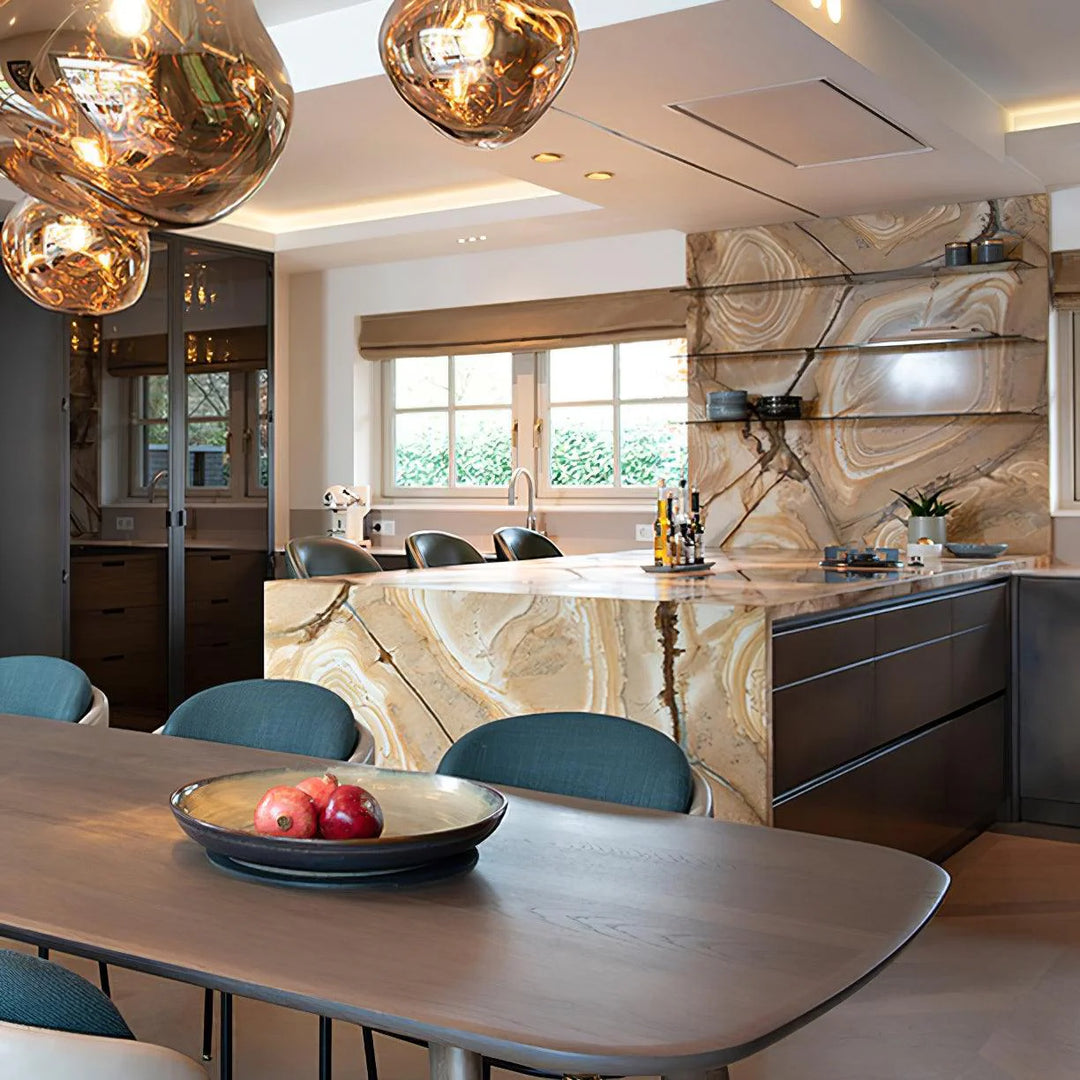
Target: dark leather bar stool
[
  {"x": 427, "y": 550},
  {"x": 514, "y": 544},
  {"x": 327, "y": 556}
]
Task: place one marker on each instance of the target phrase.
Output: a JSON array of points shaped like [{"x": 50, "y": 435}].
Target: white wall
[
  {"x": 333, "y": 423},
  {"x": 1065, "y": 219}
]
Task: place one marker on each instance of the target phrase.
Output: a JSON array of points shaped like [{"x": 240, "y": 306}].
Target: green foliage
[{"x": 926, "y": 503}]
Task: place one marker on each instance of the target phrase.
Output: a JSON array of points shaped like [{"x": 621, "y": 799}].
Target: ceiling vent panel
[{"x": 804, "y": 124}]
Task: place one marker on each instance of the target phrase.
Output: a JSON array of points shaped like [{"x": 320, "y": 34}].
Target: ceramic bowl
[
  {"x": 977, "y": 551},
  {"x": 428, "y": 818}
]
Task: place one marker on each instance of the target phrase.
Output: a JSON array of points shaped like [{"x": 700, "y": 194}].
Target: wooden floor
[{"x": 991, "y": 991}]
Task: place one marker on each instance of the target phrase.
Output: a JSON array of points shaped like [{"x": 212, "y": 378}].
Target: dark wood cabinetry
[{"x": 892, "y": 724}]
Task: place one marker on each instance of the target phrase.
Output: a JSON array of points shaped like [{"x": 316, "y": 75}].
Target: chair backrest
[
  {"x": 44, "y": 686},
  {"x": 426, "y": 550},
  {"x": 513, "y": 544},
  {"x": 270, "y": 714},
  {"x": 36, "y": 993},
  {"x": 327, "y": 556},
  {"x": 583, "y": 755}
]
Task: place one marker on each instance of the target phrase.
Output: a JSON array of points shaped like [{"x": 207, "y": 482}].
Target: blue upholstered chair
[
  {"x": 427, "y": 550},
  {"x": 327, "y": 556},
  {"x": 270, "y": 714},
  {"x": 55, "y": 1025},
  {"x": 50, "y": 688}
]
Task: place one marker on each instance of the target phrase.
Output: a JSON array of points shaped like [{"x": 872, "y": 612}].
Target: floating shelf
[
  {"x": 866, "y": 416},
  {"x": 921, "y": 346},
  {"x": 927, "y": 273}
]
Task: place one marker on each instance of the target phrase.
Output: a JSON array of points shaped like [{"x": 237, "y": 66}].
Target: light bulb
[
  {"x": 483, "y": 72},
  {"x": 146, "y": 112},
  {"x": 834, "y": 9},
  {"x": 67, "y": 264},
  {"x": 130, "y": 18}
]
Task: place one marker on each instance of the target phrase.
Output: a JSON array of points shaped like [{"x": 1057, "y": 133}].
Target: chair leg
[
  {"x": 326, "y": 1048},
  {"x": 370, "y": 1062},
  {"x": 208, "y": 1025},
  {"x": 43, "y": 953},
  {"x": 103, "y": 979},
  {"x": 485, "y": 1070},
  {"x": 225, "y": 1071}
]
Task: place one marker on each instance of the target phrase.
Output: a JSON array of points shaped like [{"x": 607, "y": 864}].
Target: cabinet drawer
[
  {"x": 228, "y": 662},
  {"x": 211, "y": 622},
  {"x": 126, "y": 581},
  {"x": 96, "y": 634},
  {"x": 912, "y": 625},
  {"x": 980, "y": 664},
  {"x": 821, "y": 724},
  {"x": 926, "y": 796},
  {"x": 225, "y": 575},
  {"x": 802, "y": 654},
  {"x": 979, "y": 608},
  {"x": 913, "y": 689},
  {"x": 136, "y": 679}
]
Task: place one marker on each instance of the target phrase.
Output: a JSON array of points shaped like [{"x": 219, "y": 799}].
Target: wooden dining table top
[{"x": 588, "y": 939}]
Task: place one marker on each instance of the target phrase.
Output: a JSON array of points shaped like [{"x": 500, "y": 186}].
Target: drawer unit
[
  {"x": 913, "y": 624},
  {"x": 100, "y": 583},
  {"x": 225, "y": 575},
  {"x": 802, "y": 654},
  {"x": 96, "y": 634}
]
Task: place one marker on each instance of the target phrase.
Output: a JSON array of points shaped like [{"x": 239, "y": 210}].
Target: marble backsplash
[{"x": 971, "y": 417}]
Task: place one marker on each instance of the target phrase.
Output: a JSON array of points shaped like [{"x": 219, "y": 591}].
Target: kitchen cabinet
[
  {"x": 889, "y": 722},
  {"x": 1048, "y": 699}
]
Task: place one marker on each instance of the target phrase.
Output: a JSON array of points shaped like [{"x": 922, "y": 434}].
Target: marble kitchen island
[{"x": 425, "y": 656}]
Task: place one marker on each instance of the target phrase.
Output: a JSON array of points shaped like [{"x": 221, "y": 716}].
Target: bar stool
[
  {"x": 427, "y": 550},
  {"x": 327, "y": 556},
  {"x": 514, "y": 544}
]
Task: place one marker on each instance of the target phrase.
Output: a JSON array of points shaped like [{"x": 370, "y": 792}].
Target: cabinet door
[{"x": 1049, "y": 689}]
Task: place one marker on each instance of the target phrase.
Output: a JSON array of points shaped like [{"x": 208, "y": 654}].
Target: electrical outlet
[
  {"x": 125, "y": 524},
  {"x": 645, "y": 533},
  {"x": 386, "y": 528}
]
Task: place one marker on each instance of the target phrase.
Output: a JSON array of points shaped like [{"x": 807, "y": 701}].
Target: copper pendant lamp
[
  {"x": 66, "y": 263},
  {"x": 482, "y": 71},
  {"x": 149, "y": 112}
]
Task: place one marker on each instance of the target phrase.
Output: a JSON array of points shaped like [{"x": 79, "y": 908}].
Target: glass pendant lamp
[
  {"x": 65, "y": 263},
  {"x": 150, "y": 112},
  {"x": 482, "y": 71}
]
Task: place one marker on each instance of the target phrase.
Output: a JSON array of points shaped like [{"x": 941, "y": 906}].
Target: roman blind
[
  {"x": 1067, "y": 280},
  {"x": 537, "y": 324}
]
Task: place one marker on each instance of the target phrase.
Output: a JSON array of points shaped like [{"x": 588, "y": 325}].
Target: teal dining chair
[
  {"x": 514, "y": 544},
  {"x": 52, "y": 689},
  {"x": 427, "y": 550},
  {"x": 327, "y": 556},
  {"x": 54, "y": 1024},
  {"x": 291, "y": 718},
  {"x": 580, "y": 755}
]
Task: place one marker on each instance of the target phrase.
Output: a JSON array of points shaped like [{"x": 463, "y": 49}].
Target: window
[
  {"x": 596, "y": 421},
  {"x": 227, "y": 434}
]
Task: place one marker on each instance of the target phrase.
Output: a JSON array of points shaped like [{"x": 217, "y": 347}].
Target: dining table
[{"x": 589, "y": 939}]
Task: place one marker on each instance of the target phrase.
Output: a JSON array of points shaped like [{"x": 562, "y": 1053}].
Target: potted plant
[{"x": 928, "y": 513}]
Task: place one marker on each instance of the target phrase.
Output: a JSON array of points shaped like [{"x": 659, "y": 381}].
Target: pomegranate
[
  {"x": 287, "y": 811},
  {"x": 320, "y": 788},
  {"x": 351, "y": 814}
]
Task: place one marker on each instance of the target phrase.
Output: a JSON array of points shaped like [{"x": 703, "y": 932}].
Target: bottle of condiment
[
  {"x": 697, "y": 525},
  {"x": 660, "y": 525},
  {"x": 670, "y": 546}
]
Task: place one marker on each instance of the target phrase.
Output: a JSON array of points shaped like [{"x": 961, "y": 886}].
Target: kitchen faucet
[
  {"x": 158, "y": 477},
  {"x": 530, "y": 520}
]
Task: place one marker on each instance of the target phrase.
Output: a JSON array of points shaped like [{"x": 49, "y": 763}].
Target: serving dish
[
  {"x": 429, "y": 819},
  {"x": 690, "y": 568},
  {"x": 977, "y": 551}
]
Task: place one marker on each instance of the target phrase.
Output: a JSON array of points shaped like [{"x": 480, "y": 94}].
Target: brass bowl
[{"x": 428, "y": 818}]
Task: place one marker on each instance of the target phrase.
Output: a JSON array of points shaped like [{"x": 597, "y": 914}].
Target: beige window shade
[
  {"x": 1067, "y": 280},
  {"x": 538, "y": 324}
]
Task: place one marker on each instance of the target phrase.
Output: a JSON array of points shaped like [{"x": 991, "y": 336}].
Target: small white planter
[{"x": 930, "y": 528}]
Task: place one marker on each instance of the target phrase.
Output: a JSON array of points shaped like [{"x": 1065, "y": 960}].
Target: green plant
[{"x": 927, "y": 504}]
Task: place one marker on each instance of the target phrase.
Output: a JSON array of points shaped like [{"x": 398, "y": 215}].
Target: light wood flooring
[{"x": 991, "y": 991}]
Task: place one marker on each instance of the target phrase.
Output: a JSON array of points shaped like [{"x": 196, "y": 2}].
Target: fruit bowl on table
[{"x": 428, "y": 819}]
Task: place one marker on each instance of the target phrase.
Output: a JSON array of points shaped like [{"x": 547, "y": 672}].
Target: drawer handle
[
  {"x": 112, "y": 659},
  {"x": 220, "y": 601},
  {"x": 220, "y": 558},
  {"x": 117, "y": 563},
  {"x": 114, "y": 611}
]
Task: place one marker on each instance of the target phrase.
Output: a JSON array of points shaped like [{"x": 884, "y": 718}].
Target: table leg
[
  {"x": 704, "y": 1074},
  {"x": 326, "y": 1048},
  {"x": 225, "y": 1051},
  {"x": 453, "y": 1063}
]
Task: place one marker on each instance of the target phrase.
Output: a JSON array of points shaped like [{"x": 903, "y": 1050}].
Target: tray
[
  {"x": 693, "y": 568},
  {"x": 429, "y": 818}
]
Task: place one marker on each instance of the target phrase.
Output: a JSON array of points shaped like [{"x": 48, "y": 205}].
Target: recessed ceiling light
[
  {"x": 600, "y": 175},
  {"x": 546, "y": 158},
  {"x": 471, "y": 239},
  {"x": 835, "y": 9}
]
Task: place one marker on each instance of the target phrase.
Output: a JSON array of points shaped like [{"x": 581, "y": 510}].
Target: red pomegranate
[
  {"x": 287, "y": 811},
  {"x": 320, "y": 788},
  {"x": 351, "y": 814}
]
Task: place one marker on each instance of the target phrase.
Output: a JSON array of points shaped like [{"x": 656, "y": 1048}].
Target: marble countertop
[{"x": 786, "y": 583}]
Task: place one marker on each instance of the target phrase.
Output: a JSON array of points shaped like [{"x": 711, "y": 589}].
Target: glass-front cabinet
[{"x": 171, "y": 481}]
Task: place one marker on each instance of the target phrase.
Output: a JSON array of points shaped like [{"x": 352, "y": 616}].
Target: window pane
[
  {"x": 484, "y": 380},
  {"x": 153, "y": 453},
  {"x": 482, "y": 448},
  {"x": 422, "y": 450},
  {"x": 262, "y": 429},
  {"x": 208, "y": 460},
  {"x": 582, "y": 446},
  {"x": 586, "y": 374},
  {"x": 652, "y": 369},
  {"x": 154, "y": 399},
  {"x": 208, "y": 395},
  {"x": 653, "y": 444},
  {"x": 422, "y": 382}
]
